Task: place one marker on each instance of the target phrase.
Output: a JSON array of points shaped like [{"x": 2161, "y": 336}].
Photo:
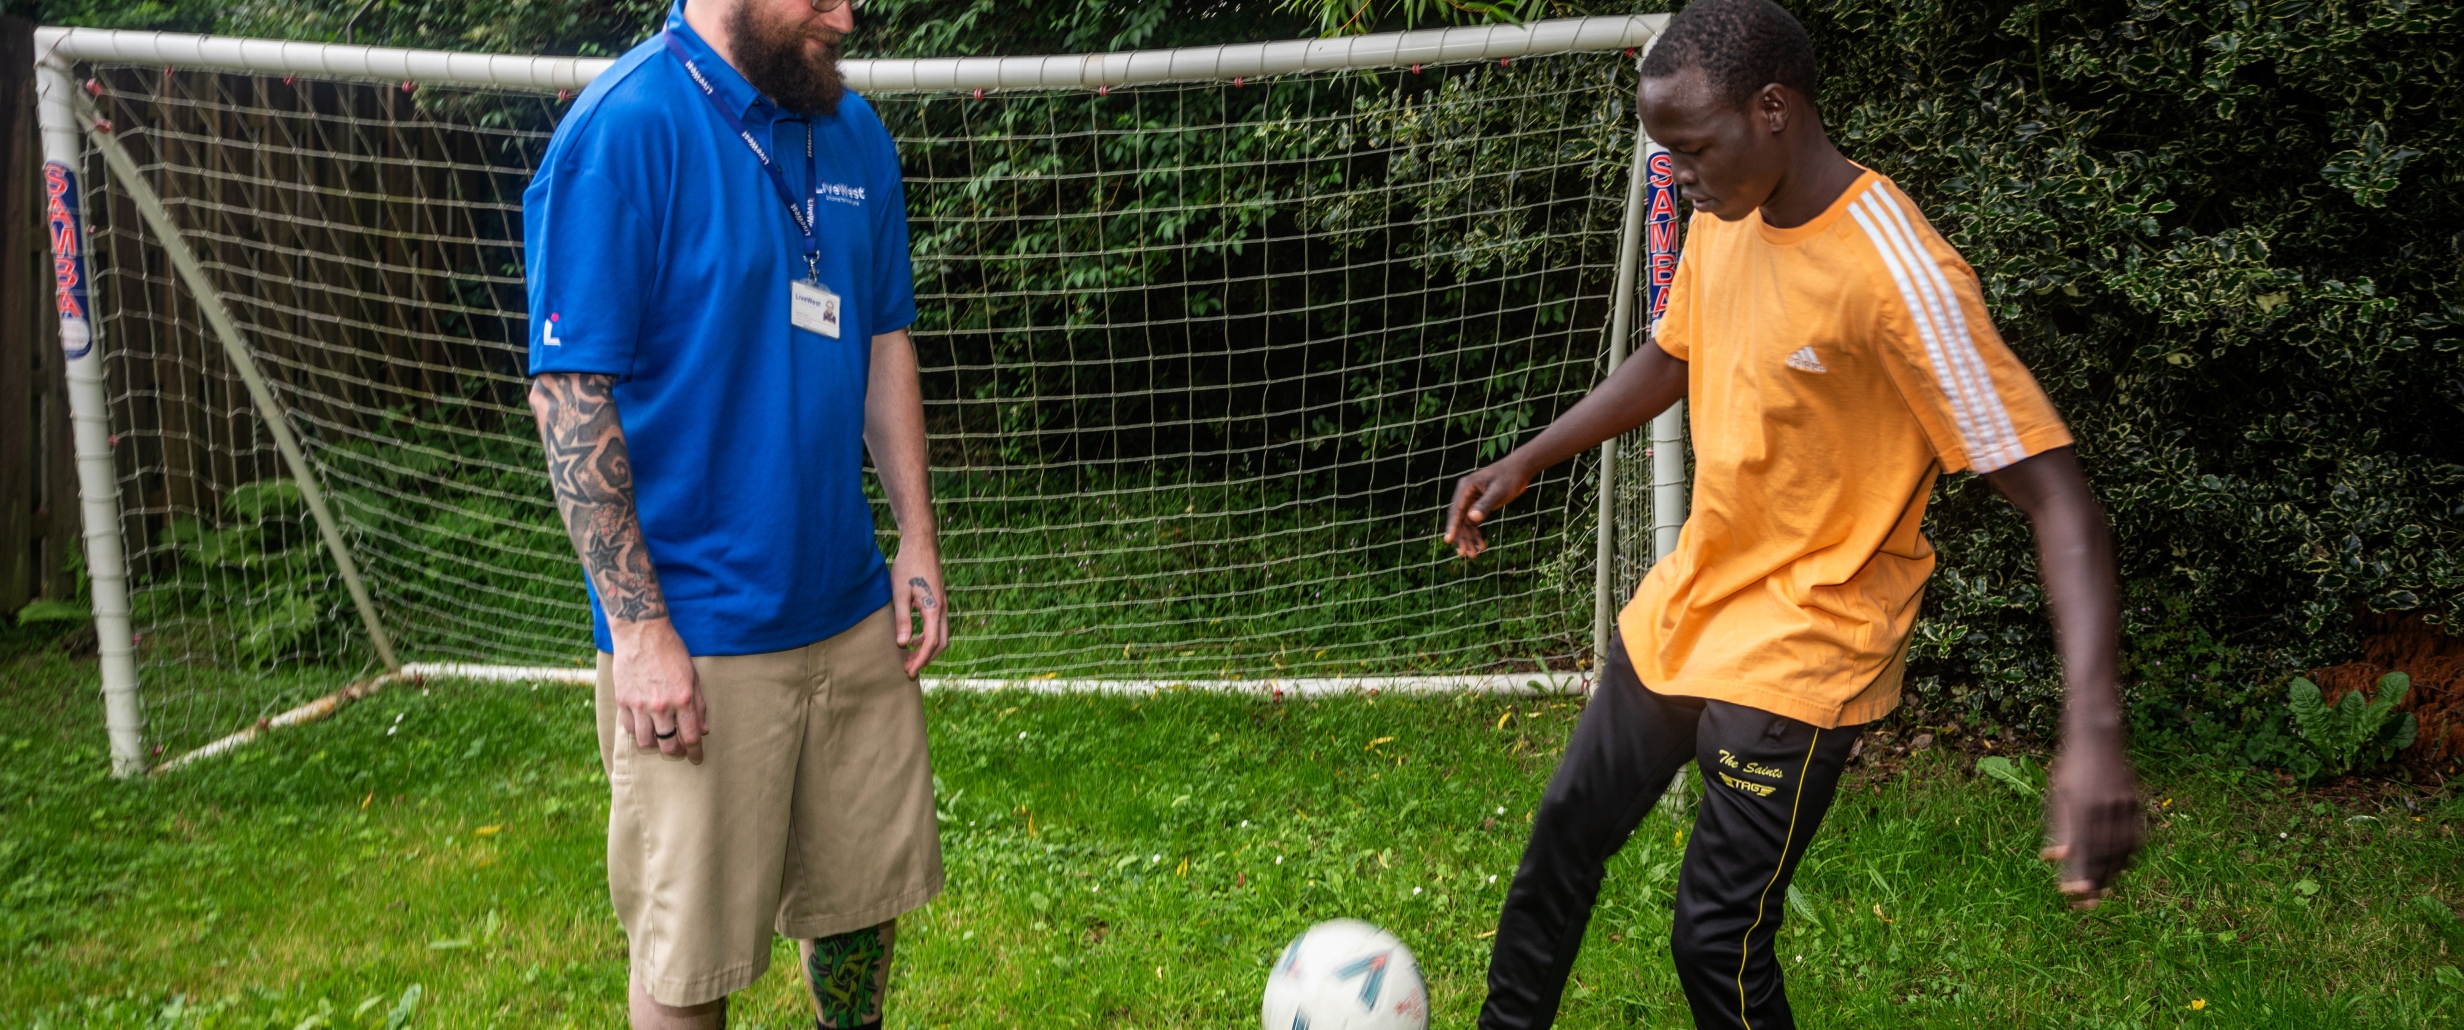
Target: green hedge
[{"x": 2225, "y": 233}]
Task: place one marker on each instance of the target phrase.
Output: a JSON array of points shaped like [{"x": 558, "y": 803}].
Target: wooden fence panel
[{"x": 38, "y": 499}]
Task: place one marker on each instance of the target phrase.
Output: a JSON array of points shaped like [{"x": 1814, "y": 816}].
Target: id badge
[{"x": 813, "y": 308}]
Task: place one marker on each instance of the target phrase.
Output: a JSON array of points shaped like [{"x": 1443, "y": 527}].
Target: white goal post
[{"x": 1208, "y": 330}]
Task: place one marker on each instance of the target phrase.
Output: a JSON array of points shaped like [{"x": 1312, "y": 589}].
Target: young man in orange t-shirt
[{"x": 1838, "y": 357}]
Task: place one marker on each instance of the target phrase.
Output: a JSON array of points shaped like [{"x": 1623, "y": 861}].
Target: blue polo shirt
[{"x": 658, "y": 252}]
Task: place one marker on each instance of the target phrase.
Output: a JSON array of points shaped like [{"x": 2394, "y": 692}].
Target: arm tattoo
[
  {"x": 924, "y": 589},
  {"x": 593, "y": 476}
]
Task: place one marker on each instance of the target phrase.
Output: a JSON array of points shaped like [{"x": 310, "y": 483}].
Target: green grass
[
  {"x": 1118, "y": 862},
  {"x": 1073, "y": 574},
  {"x": 1135, "y": 580},
  {"x": 1128, "y": 577}
]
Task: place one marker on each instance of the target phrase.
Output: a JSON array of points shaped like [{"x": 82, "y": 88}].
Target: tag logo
[
  {"x": 1805, "y": 361},
  {"x": 1762, "y": 790},
  {"x": 834, "y": 192},
  {"x": 547, "y": 333}
]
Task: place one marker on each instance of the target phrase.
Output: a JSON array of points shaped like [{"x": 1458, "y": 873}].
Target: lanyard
[{"x": 778, "y": 180}]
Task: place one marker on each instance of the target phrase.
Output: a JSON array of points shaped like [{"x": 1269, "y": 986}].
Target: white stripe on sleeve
[
  {"x": 1963, "y": 416},
  {"x": 1977, "y": 412},
  {"x": 1961, "y": 365},
  {"x": 1998, "y": 417}
]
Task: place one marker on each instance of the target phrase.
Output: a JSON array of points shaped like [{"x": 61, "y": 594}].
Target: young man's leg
[
  {"x": 1627, "y": 747},
  {"x": 1767, "y": 780}
]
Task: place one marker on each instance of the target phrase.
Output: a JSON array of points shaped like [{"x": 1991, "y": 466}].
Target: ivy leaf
[{"x": 2368, "y": 171}]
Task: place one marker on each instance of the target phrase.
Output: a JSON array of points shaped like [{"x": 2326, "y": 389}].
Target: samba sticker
[
  {"x": 68, "y": 260},
  {"x": 1660, "y": 229}
]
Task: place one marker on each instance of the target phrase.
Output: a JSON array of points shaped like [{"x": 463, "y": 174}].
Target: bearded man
[{"x": 719, "y": 295}]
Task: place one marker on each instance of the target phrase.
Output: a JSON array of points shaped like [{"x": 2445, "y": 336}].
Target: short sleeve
[
  {"x": 893, "y": 295},
  {"x": 1980, "y": 407},
  {"x": 590, "y": 258}
]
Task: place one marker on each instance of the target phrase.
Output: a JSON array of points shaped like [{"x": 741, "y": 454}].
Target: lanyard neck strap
[{"x": 802, "y": 215}]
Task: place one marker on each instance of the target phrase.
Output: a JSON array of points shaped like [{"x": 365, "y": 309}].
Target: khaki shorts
[{"x": 810, "y": 815}]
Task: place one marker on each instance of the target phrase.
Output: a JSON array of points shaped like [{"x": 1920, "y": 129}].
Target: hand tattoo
[
  {"x": 924, "y": 588},
  {"x": 592, "y": 472}
]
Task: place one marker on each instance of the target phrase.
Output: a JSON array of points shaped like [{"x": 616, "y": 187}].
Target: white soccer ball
[{"x": 1345, "y": 975}]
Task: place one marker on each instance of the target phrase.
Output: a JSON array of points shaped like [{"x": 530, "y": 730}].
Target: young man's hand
[
  {"x": 658, "y": 697},
  {"x": 2092, "y": 814},
  {"x": 2094, "y": 820},
  {"x": 916, "y": 596},
  {"x": 1478, "y": 496},
  {"x": 1643, "y": 387}
]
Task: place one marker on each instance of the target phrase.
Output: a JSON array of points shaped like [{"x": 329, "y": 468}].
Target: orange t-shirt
[{"x": 1834, "y": 369}]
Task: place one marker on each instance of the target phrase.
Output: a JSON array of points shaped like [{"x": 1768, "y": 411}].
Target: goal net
[{"x": 1201, "y": 359}]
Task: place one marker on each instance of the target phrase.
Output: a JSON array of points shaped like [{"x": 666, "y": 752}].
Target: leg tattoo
[{"x": 848, "y": 974}]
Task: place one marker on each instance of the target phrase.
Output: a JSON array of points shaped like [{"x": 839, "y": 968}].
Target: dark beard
[{"x": 771, "y": 57}]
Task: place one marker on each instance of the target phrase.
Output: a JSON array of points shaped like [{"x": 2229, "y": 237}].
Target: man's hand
[
  {"x": 658, "y": 697},
  {"x": 2092, "y": 814},
  {"x": 915, "y": 591},
  {"x": 1478, "y": 496},
  {"x": 1643, "y": 387},
  {"x": 2094, "y": 820},
  {"x": 894, "y": 431}
]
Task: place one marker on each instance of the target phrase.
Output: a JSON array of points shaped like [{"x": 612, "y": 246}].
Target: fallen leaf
[
  {"x": 2000, "y": 768},
  {"x": 1378, "y": 741},
  {"x": 489, "y": 830}
]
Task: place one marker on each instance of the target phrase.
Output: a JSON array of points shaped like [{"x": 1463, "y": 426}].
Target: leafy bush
[
  {"x": 2355, "y": 734},
  {"x": 254, "y": 579},
  {"x": 2223, "y": 233},
  {"x": 54, "y": 611}
]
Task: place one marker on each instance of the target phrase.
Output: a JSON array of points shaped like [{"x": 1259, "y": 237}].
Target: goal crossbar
[{"x": 914, "y": 75}]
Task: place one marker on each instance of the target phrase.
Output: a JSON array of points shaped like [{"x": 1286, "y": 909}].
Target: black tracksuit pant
[{"x": 1767, "y": 782}]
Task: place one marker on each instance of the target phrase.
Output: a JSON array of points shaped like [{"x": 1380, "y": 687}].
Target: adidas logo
[{"x": 1805, "y": 361}]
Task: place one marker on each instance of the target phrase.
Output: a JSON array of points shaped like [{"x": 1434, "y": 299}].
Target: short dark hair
[{"x": 1741, "y": 46}]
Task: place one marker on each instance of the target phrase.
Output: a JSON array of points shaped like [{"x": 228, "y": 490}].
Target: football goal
[{"x": 1207, "y": 335}]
